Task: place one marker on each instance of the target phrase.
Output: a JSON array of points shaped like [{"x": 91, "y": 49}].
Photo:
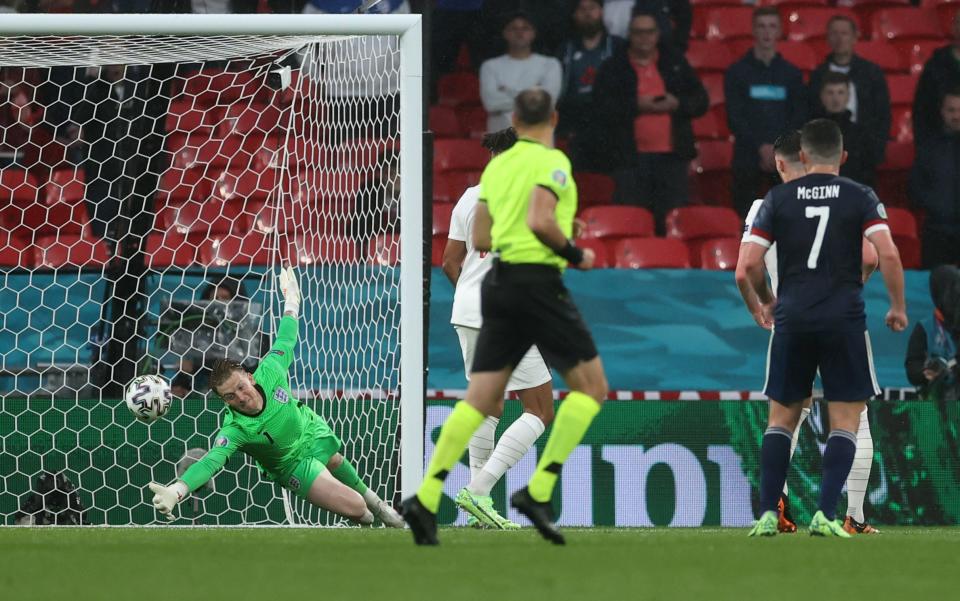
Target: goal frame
[{"x": 408, "y": 28}]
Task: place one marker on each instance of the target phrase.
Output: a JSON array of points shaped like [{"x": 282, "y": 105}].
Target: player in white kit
[
  {"x": 787, "y": 155},
  {"x": 531, "y": 380}
]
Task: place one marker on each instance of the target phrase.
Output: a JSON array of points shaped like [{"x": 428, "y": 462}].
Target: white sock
[
  {"x": 512, "y": 446},
  {"x": 367, "y": 518},
  {"x": 481, "y": 444},
  {"x": 860, "y": 472},
  {"x": 372, "y": 500},
  {"x": 804, "y": 414}
]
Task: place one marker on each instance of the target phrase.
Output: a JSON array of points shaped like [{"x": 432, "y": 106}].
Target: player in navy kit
[{"x": 818, "y": 221}]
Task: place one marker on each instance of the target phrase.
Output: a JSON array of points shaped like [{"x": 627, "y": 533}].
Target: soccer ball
[{"x": 148, "y": 398}]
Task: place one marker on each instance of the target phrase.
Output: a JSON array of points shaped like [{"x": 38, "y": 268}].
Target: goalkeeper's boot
[
  {"x": 785, "y": 522},
  {"x": 388, "y": 515},
  {"x": 821, "y": 526},
  {"x": 422, "y": 523},
  {"x": 481, "y": 508},
  {"x": 852, "y": 526},
  {"x": 541, "y": 514},
  {"x": 474, "y": 523},
  {"x": 766, "y": 525}
]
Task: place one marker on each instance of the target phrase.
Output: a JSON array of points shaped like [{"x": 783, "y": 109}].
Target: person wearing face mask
[{"x": 291, "y": 444}]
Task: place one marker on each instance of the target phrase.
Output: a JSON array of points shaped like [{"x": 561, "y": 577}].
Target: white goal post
[{"x": 347, "y": 286}]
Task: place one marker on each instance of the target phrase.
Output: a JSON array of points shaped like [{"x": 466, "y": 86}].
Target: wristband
[{"x": 571, "y": 253}]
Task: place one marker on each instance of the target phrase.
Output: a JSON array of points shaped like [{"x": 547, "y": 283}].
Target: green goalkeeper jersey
[{"x": 278, "y": 437}]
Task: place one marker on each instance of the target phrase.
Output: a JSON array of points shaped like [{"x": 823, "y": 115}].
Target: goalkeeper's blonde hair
[{"x": 222, "y": 370}]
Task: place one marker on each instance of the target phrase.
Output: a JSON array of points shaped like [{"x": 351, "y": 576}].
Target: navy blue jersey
[{"x": 818, "y": 222}]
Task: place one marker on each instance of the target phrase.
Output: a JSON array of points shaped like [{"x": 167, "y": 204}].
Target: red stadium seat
[
  {"x": 730, "y": 23},
  {"x": 247, "y": 248},
  {"x": 17, "y": 186},
  {"x": 441, "y": 219},
  {"x": 902, "y": 89},
  {"x": 903, "y": 224},
  {"x": 211, "y": 87},
  {"x": 385, "y": 250},
  {"x": 473, "y": 121},
  {"x": 246, "y": 184},
  {"x": 459, "y": 155},
  {"x": 899, "y": 157},
  {"x": 262, "y": 118},
  {"x": 214, "y": 217},
  {"x": 910, "y": 253},
  {"x": 720, "y": 254},
  {"x": 594, "y": 188},
  {"x": 651, "y": 253},
  {"x": 906, "y": 23},
  {"x": 66, "y": 185},
  {"x": 63, "y": 250},
  {"x": 947, "y": 12},
  {"x": 444, "y": 122},
  {"x": 316, "y": 250},
  {"x": 697, "y": 222},
  {"x": 710, "y": 171},
  {"x": 436, "y": 250},
  {"x": 449, "y": 187},
  {"x": 884, "y": 54},
  {"x": 187, "y": 118},
  {"x": 811, "y": 23},
  {"x": 917, "y": 53},
  {"x": 180, "y": 185},
  {"x": 713, "y": 82},
  {"x": 711, "y": 126},
  {"x": 709, "y": 56},
  {"x": 599, "y": 247},
  {"x": 800, "y": 54},
  {"x": 865, "y": 10},
  {"x": 40, "y": 218},
  {"x": 901, "y": 124},
  {"x": 612, "y": 222},
  {"x": 171, "y": 249},
  {"x": 893, "y": 174},
  {"x": 457, "y": 89},
  {"x": 14, "y": 250}
]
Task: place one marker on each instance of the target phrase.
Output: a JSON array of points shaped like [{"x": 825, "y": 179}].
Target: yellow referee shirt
[{"x": 506, "y": 186}]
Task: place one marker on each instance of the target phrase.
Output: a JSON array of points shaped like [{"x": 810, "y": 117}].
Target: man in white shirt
[
  {"x": 466, "y": 267},
  {"x": 786, "y": 152},
  {"x": 503, "y": 77}
]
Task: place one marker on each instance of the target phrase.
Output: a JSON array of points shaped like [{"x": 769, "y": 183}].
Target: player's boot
[
  {"x": 766, "y": 525},
  {"x": 483, "y": 510},
  {"x": 474, "y": 523},
  {"x": 821, "y": 526},
  {"x": 422, "y": 523},
  {"x": 388, "y": 515},
  {"x": 852, "y": 526},
  {"x": 541, "y": 514},
  {"x": 785, "y": 521}
]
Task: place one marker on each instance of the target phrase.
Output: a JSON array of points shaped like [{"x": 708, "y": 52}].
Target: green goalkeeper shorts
[{"x": 302, "y": 476}]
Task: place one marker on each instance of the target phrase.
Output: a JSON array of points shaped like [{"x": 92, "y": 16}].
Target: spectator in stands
[
  {"x": 195, "y": 368},
  {"x": 674, "y": 19},
  {"x": 935, "y": 186},
  {"x": 645, "y": 99},
  {"x": 931, "y": 360},
  {"x": 550, "y": 17},
  {"x": 377, "y": 207},
  {"x": 940, "y": 73},
  {"x": 834, "y": 97},
  {"x": 869, "y": 102},
  {"x": 502, "y": 78},
  {"x": 765, "y": 96},
  {"x": 581, "y": 57}
]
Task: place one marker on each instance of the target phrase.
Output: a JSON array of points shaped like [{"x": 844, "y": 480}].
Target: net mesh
[{"x": 151, "y": 187}]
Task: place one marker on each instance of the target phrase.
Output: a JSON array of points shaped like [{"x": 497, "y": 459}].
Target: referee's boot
[
  {"x": 785, "y": 522},
  {"x": 422, "y": 523},
  {"x": 541, "y": 514}
]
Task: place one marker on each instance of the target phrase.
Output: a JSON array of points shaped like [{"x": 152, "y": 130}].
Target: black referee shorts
[{"x": 527, "y": 304}]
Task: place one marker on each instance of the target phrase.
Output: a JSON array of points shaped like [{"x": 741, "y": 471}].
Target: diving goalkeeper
[{"x": 291, "y": 444}]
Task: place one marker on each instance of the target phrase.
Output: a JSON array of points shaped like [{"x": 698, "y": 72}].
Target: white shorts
[{"x": 530, "y": 372}]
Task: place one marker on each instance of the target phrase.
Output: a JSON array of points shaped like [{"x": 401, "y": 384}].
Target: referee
[{"x": 525, "y": 213}]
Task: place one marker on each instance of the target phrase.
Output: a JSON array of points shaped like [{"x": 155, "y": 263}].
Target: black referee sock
[
  {"x": 774, "y": 462},
  {"x": 837, "y": 460}
]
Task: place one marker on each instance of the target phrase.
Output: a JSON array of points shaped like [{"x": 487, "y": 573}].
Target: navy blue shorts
[{"x": 845, "y": 361}]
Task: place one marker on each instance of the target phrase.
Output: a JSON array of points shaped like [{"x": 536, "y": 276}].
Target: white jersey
[
  {"x": 466, "y": 298},
  {"x": 770, "y": 258}
]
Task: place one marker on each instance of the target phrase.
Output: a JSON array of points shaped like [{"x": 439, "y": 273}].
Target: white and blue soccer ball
[{"x": 148, "y": 397}]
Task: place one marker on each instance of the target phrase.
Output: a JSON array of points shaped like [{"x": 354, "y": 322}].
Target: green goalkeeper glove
[
  {"x": 291, "y": 291},
  {"x": 165, "y": 498}
]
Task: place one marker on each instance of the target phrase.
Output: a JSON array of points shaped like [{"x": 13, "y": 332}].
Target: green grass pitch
[{"x": 178, "y": 564}]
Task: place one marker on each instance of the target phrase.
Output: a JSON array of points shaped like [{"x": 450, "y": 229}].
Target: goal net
[{"x": 157, "y": 172}]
